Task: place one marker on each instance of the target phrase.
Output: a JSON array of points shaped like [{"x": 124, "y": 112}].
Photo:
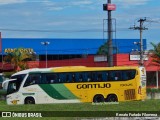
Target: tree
[
  {"x": 19, "y": 58},
  {"x": 156, "y": 53},
  {"x": 103, "y": 49}
]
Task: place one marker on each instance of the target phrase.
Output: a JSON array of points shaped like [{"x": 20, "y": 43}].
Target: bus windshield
[{"x": 14, "y": 85}]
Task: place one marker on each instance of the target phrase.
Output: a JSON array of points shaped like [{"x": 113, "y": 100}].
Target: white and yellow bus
[{"x": 75, "y": 84}]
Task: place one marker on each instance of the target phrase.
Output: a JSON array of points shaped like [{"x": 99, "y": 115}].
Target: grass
[{"x": 147, "y": 105}]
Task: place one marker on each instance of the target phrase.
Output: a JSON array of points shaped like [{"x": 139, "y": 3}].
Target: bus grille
[{"x": 129, "y": 94}]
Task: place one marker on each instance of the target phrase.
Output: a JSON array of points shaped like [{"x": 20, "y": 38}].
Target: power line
[{"x": 57, "y": 31}]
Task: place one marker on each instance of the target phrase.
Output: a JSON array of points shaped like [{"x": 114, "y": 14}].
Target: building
[{"x": 69, "y": 52}]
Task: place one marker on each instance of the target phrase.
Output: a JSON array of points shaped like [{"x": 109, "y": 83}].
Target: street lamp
[{"x": 46, "y": 43}]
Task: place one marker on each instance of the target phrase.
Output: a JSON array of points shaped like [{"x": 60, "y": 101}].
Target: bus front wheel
[
  {"x": 112, "y": 98},
  {"x": 29, "y": 100},
  {"x": 98, "y": 98}
]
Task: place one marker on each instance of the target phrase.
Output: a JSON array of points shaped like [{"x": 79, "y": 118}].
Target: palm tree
[
  {"x": 19, "y": 59},
  {"x": 156, "y": 53}
]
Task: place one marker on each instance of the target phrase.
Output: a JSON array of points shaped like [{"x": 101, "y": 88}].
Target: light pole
[{"x": 46, "y": 43}]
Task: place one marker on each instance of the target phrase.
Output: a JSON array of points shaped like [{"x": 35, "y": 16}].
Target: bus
[{"x": 75, "y": 84}]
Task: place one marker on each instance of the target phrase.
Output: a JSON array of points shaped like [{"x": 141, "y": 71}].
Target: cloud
[
  {"x": 129, "y": 3},
  {"x": 5, "y": 2},
  {"x": 66, "y": 4},
  {"x": 132, "y": 2},
  {"x": 56, "y": 8},
  {"x": 84, "y": 2}
]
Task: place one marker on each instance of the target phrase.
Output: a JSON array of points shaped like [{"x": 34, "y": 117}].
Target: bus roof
[
  {"x": 32, "y": 70},
  {"x": 73, "y": 69},
  {"x": 83, "y": 68}
]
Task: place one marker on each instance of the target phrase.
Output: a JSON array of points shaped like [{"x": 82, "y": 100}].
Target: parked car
[{"x": 1, "y": 79}]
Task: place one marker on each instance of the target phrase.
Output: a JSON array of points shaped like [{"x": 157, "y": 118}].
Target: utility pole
[
  {"x": 140, "y": 28},
  {"x": 109, "y": 7}
]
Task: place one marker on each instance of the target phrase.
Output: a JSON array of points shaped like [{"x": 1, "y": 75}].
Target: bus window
[
  {"x": 64, "y": 77},
  {"x": 115, "y": 75},
  {"x": 51, "y": 78},
  {"x": 67, "y": 78},
  {"x": 85, "y": 78},
  {"x": 80, "y": 77},
  {"x": 33, "y": 79},
  {"x": 94, "y": 76},
  {"x": 89, "y": 77},
  {"x": 13, "y": 86},
  {"x": 73, "y": 77},
  {"x": 118, "y": 75},
  {"x": 99, "y": 76},
  {"x": 61, "y": 78},
  {"x": 105, "y": 76},
  {"x": 132, "y": 74},
  {"x": 129, "y": 74}
]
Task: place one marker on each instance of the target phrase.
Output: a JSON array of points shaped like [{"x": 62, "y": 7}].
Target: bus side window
[
  {"x": 84, "y": 77},
  {"x": 51, "y": 78},
  {"x": 94, "y": 76},
  {"x": 105, "y": 76},
  {"x": 129, "y": 74},
  {"x": 76, "y": 77},
  {"x": 124, "y": 75},
  {"x": 67, "y": 79},
  {"x": 133, "y": 73},
  {"x": 33, "y": 79},
  {"x": 73, "y": 77},
  {"x": 80, "y": 77},
  {"x": 115, "y": 75},
  {"x": 110, "y": 76},
  {"x": 118, "y": 75},
  {"x": 89, "y": 77},
  {"x": 99, "y": 76},
  {"x": 58, "y": 78},
  {"x": 61, "y": 78}
]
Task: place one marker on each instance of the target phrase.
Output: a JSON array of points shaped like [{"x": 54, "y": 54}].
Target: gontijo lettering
[{"x": 88, "y": 86}]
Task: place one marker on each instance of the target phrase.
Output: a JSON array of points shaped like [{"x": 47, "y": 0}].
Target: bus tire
[
  {"x": 112, "y": 98},
  {"x": 29, "y": 100},
  {"x": 98, "y": 98}
]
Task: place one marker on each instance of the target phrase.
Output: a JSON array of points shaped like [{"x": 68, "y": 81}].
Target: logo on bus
[
  {"x": 124, "y": 85},
  {"x": 88, "y": 86}
]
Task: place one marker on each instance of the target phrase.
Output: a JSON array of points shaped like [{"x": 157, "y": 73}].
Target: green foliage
[
  {"x": 153, "y": 90},
  {"x": 103, "y": 49},
  {"x": 147, "y": 105},
  {"x": 83, "y": 109},
  {"x": 156, "y": 53}
]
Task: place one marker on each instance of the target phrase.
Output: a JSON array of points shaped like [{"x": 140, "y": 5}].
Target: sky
[{"x": 78, "y": 19}]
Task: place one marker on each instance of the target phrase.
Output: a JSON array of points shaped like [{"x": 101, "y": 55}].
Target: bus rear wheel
[
  {"x": 29, "y": 100},
  {"x": 98, "y": 98},
  {"x": 112, "y": 98}
]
